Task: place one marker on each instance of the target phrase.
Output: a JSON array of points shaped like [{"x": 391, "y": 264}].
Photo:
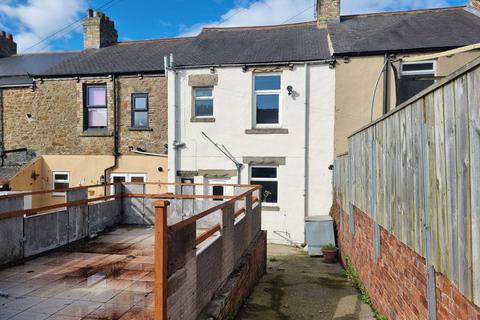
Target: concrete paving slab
[{"x": 300, "y": 287}]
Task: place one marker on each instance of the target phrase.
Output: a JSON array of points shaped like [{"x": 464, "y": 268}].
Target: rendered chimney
[
  {"x": 475, "y": 4},
  {"x": 327, "y": 10},
  {"x": 8, "y": 47},
  {"x": 98, "y": 30}
]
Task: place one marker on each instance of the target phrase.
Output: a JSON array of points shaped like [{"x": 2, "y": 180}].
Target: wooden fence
[{"x": 416, "y": 172}]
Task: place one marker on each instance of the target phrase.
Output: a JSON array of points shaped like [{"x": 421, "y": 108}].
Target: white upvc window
[
  {"x": 267, "y": 100},
  {"x": 418, "y": 68},
  {"x": 60, "y": 181},
  {"x": 203, "y": 102},
  {"x": 126, "y": 177},
  {"x": 267, "y": 177}
]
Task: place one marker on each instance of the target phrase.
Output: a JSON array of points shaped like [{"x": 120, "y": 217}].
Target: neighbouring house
[
  {"x": 265, "y": 96},
  {"x": 89, "y": 116},
  {"x": 361, "y": 43}
]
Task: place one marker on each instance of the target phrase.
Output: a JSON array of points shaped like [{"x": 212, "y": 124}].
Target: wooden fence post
[{"x": 160, "y": 259}]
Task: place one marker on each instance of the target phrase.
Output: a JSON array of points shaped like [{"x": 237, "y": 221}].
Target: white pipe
[
  {"x": 307, "y": 141},
  {"x": 172, "y": 125}
]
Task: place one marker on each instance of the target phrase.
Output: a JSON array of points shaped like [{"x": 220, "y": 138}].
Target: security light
[{"x": 290, "y": 90}]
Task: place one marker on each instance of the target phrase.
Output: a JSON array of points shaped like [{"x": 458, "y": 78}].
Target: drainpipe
[
  {"x": 307, "y": 141},
  {"x": 116, "y": 153},
  {"x": 2, "y": 128},
  {"x": 385, "y": 84},
  {"x": 173, "y": 143}
]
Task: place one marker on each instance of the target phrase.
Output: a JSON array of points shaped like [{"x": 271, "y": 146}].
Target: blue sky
[{"x": 31, "y": 21}]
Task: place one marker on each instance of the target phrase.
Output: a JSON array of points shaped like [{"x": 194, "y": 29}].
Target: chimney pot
[
  {"x": 98, "y": 33},
  {"x": 89, "y": 13},
  {"x": 10, "y": 37},
  {"x": 3, "y": 34}
]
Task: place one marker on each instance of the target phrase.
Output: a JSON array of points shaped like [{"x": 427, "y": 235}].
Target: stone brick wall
[
  {"x": 397, "y": 283},
  {"x": 98, "y": 30},
  {"x": 236, "y": 291},
  {"x": 50, "y": 118},
  {"x": 151, "y": 140},
  {"x": 327, "y": 10}
]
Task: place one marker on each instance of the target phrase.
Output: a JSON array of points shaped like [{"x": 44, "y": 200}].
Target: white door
[{"x": 127, "y": 177}]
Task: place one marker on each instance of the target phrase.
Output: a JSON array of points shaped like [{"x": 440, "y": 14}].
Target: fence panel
[{"x": 397, "y": 196}]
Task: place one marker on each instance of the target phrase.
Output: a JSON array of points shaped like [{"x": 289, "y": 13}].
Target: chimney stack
[
  {"x": 328, "y": 10},
  {"x": 98, "y": 30},
  {"x": 475, "y": 4},
  {"x": 8, "y": 47}
]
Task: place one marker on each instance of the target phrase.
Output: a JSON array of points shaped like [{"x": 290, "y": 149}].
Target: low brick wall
[
  {"x": 397, "y": 283},
  {"x": 230, "y": 298}
]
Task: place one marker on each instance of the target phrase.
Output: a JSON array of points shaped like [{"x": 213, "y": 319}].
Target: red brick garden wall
[{"x": 397, "y": 282}]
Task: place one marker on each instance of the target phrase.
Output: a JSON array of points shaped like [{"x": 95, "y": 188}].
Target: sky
[{"x": 46, "y": 25}]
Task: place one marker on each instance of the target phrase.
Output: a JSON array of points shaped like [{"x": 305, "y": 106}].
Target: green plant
[
  {"x": 266, "y": 194},
  {"x": 329, "y": 246},
  {"x": 352, "y": 275}
]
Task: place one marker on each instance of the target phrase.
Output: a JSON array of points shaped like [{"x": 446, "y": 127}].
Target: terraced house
[{"x": 267, "y": 105}]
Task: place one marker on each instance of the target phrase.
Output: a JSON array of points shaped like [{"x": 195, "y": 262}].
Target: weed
[{"x": 352, "y": 275}]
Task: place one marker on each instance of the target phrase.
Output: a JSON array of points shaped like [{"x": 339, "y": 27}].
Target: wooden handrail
[
  {"x": 33, "y": 193},
  {"x": 208, "y": 233},
  {"x": 160, "y": 258},
  {"x": 176, "y": 196},
  {"x": 239, "y": 212},
  {"x": 36, "y": 211},
  {"x": 186, "y": 222}
]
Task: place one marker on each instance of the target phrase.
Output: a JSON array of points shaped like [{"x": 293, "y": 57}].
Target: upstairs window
[
  {"x": 96, "y": 107},
  {"x": 267, "y": 99},
  {"x": 415, "y": 77},
  {"x": 140, "y": 110},
  {"x": 61, "y": 181},
  {"x": 266, "y": 177},
  {"x": 203, "y": 102}
]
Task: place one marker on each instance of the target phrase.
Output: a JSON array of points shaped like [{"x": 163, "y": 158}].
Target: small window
[
  {"x": 140, "y": 110},
  {"x": 96, "y": 107},
  {"x": 203, "y": 103},
  {"x": 187, "y": 180},
  {"x": 126, "y": 178},
  {"x": 61, "y": 181},
  {"x": 218, "y": 191},
  {"x": 268, "y": 179},
  {"x": 414, "y": 78},
  {"x": 267, "y": 99}
]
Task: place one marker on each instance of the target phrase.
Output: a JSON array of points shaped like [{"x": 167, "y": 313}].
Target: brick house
[{"x": 71, "y": 118}]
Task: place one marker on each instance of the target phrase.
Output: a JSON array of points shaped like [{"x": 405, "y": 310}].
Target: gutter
[
  {"x": 257, "y": 64},
  {"x": 116, "y": 153},
  {"x": 150, "y": 154}
]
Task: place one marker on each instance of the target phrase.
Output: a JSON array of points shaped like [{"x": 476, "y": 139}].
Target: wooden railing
[{"x": 162, "y": 232}]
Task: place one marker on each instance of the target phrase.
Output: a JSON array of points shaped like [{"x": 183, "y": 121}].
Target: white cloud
[
  {"x": 263, "y": 12},
  {"x": 267, "y": 12},
  {"x": 366, "y": 6},
  {"x": 37, "y": 19}
]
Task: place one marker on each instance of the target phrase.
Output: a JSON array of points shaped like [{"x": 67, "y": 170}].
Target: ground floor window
[
  {"x": 267, "y": 177},
  {"x": 61, "y": 180},
  {"x": 218, "y": 191}
]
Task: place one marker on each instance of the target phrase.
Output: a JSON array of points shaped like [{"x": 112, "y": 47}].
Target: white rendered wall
[{"x": 233, "y": 107}]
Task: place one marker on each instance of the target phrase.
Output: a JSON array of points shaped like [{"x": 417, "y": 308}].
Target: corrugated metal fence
[{"x": 416, "y": 172}]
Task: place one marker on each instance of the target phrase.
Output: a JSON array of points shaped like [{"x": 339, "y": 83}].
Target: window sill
[
  {"x": 139, "y": 129},
  {"x": 197, "y": 119},
  {"x": 96, "y": 133},
  {"x": 270, "y": 208},
  {"x": 266, "y": 131}
]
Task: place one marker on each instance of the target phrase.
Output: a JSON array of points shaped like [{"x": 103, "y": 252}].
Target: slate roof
[
  {"x": 407, "y": 31},
  {"x": 213, "y": 46},
  {"x": 15, "y": 70}
]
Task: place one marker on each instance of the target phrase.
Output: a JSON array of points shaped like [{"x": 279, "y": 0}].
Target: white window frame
[
  {"x": 265, "y": 92},
  {"x": 195, "y": 98},
  {"x": 60, "y": 181},
  {"x": 128, "y": 178},
  {"x": 419, "y": 72},
  {"x": 252, "y": 181}
]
